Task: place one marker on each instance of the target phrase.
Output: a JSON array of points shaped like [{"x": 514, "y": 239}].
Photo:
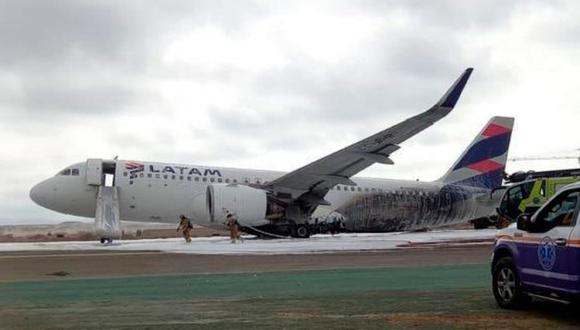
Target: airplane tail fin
[{"x": 482, "y": 164}]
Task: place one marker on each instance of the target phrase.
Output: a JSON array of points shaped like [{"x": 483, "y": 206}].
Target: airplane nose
[
  {"x": 34, "y": 193},
  {"x": 38, "y": 194}
]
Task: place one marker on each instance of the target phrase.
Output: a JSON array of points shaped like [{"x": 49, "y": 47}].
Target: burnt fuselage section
[{"x": 413, "y": 209}]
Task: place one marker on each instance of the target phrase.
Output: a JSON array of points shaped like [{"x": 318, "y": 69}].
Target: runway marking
[{"x": 66, "y": 255}]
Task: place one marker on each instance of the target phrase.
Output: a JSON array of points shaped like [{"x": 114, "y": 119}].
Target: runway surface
[
  {"x": 45, "y": 265},
  {"x": 221, "y": 245},
  {"x": 427, "y": 284}
]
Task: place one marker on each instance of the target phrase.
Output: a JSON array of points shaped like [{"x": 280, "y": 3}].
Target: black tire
[
  {"x": 301, "y": 231},
  {"x": 481, "y": 223},
  {"x": 506, "y": 284}
]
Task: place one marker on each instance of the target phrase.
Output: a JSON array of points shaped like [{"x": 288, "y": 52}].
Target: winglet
[{"x": 452, "y": 96}]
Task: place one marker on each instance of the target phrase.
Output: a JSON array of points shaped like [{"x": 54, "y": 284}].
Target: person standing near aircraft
[
  {"x": 186, "y": 227},
  {"x": 234, "y": 227}
]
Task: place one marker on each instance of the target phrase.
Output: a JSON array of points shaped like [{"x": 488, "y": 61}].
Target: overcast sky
[{"x": 275, "y": 84}]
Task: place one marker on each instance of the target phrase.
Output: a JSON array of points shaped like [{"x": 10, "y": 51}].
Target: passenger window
[
  {"x": 227, "y": 180},
  {"x": 125, "y": 173},
  {"x": 351, "y": 188},
  {"x": 157, "y": 176},
  {"x": 173, "y": 177},
  {"x": 149, "y": 175},
  {"x": 367, "y": 189},
  {"x": 74, "y": 171},
  {"x": 196, "y": 178},
  {"x": 337, "y": 187},
  {"x": 181, "y": 177},
  {"x": 204, "y": 179},
  {"x": 235, "y": 180},
  {"x": 219, "y": 180},
  {"x": 560, "y": 212},
  {"x": 165, "y": 176},
  {"x": 188, "y": 178},
  {"x": 359, "y": 189},
  {"x": 211, "y": 179},
  {"x": 65, "y": 172}
]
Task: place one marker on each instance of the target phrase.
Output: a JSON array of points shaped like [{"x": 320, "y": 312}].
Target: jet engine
[{"x": 249, "y": 205}]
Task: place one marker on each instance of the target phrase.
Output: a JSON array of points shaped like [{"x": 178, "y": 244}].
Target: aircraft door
[{"x": 94, "y": 171}]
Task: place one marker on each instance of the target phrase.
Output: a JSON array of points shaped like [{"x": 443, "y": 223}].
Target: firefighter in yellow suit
[
  {"x": 234, "y": 227},
  {"x": 185, "y": 227}
]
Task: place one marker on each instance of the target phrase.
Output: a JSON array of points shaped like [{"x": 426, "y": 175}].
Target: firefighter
[
  {"x": 234, "y": 227},
  {"x": 186, "y": 227}
]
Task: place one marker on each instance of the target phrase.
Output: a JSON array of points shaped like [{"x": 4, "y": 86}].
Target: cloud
[{"x": 273, "y": 85}]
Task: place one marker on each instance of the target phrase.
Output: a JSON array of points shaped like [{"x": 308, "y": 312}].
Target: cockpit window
[
  {"x": 74, "y": 171},
  {"x": 65, "y": 172}
]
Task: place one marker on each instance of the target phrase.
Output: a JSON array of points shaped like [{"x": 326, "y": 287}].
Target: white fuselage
[{"x": 160, "y": 192}]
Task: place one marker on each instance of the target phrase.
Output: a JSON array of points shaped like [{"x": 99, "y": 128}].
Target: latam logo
[
  {"x": 134, "y": 167},
  {"x": 494, "y": 130}
]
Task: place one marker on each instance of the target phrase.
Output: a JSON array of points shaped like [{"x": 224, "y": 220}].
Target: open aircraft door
[{"x": 94, "y": 171}]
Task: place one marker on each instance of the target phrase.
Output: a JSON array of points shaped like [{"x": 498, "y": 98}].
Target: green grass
[{"x": 398, "y": 298}]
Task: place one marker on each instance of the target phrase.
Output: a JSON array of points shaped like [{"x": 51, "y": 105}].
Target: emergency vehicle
[
  {"x": 539, "y": 256},
  {"x": 527, "y": 195}
]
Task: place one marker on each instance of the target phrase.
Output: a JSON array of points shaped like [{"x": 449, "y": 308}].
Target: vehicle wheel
[
  {"x": 507, "y": 288},
  {"x": 301, "y": 231}
]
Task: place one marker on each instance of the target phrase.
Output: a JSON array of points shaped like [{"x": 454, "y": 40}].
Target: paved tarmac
[
  {"x": 46, "y": 265},
  {"x": 427, "y": 287}
]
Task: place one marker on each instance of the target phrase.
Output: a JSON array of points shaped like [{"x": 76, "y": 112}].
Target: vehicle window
[
  {"x": 560, "y": 211},
  {"x": 227, "y": 180},
  {"x": 65, "y": 172},
  {"x": 337, "y": 187},
  {"x": 74, "y": 171}
]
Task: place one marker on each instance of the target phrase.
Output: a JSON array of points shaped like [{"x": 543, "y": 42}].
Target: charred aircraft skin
[{"x": 415, "y": 209}]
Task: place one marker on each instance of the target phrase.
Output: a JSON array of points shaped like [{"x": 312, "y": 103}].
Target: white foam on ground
[{"x": 252, "y": 246}]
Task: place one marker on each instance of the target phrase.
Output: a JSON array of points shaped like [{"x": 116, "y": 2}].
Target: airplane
[{"x": 277, "y": 203}]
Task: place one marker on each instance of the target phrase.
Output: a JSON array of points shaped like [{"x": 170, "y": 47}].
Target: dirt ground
[
  {"x": 18, "y": 266},
  {"x": 426, "y": 287}
]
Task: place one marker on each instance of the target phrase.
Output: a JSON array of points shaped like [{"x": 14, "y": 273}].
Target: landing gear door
[{"x": 94, "y": 172}]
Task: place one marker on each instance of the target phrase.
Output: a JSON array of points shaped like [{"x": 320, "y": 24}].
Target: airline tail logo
[{"x": 483, "y": 163}]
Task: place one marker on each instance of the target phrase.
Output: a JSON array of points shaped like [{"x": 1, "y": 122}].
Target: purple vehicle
[{"x": 540, "y": 257}]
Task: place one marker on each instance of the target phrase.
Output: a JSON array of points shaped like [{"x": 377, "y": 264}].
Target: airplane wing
[{"x": 310, "y": 183}]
